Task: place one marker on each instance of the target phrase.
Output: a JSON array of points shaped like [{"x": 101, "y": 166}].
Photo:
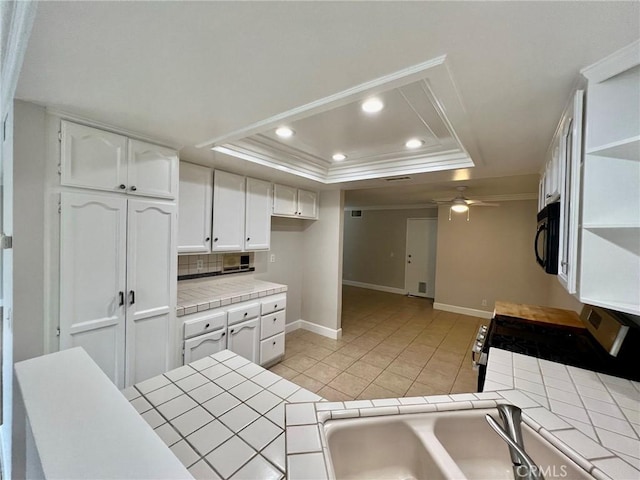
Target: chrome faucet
[{"x": 523, "y": 466}]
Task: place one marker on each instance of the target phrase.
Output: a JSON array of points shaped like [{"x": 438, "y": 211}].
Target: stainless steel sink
[{"x": 437, "y": 445}]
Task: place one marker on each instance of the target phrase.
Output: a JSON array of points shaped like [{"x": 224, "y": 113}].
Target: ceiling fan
[{"x": 461, "y": 204}]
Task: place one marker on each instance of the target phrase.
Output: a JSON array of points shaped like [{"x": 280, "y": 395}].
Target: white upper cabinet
[
  {"x": 570, "y": 133},
  {"x": 153, "y": 170},
  {"x": 285, "y": 200},
  {"x": 294, "y": 202},
  {"x": 92, "y": 158},
  {"x": 194, "y": 203},
  {"x": 99, "y": 160},
  {"x": 257, "y": 215},
  {"x": 307, "y": 204},
  {"x": 228, "y": 212},
  {"x": 610, "y": 227}
]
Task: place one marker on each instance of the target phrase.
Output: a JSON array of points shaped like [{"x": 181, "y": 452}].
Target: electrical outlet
[
  {"x": 200, "y": 264},
  {"x": 272, "y": 258},
  {"x": 484, "y": 302}
]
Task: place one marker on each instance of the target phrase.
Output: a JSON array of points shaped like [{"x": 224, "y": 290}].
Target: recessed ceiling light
[
  {"x": 414, "y": 143},
  {"x": 338, "y": 157},
  {"x": 284, "y": 132},
  {"x": 372, "y": 105}
]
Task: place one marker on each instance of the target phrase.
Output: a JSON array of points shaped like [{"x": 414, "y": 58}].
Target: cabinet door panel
[
  {"x": 285, "y": 200},
  {"x": 204, "y": 345},
  {"x": 92, "y": 275},
  {"x": 228, "y": 212},
  {"x": 244, "y": 339},
  {"x": 92, "y": 158},
  {"x": 194, "y": 204},
  {"x": 258, "y": 215},
  {"x": 153, "y": 170},
  {"x": 151, "y": 284},
  {"x": 307, "y": 204}
]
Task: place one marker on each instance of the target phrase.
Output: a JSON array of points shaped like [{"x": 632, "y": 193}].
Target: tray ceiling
[{"x": 419, "y": 103}]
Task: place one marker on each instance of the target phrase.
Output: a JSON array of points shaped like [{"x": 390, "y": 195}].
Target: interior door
[
  {"x": 151, "y": 288},
  {"x": 92, "y": 278},
  {"x": 420, "y": 267}
]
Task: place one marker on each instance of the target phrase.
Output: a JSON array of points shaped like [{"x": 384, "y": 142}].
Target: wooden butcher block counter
[{"x": 538, "y": 314}]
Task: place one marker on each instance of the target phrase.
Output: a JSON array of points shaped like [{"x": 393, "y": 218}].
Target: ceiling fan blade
[{"x": 478, "y": 203}]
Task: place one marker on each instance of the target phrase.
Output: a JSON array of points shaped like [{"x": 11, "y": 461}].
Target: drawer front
[
  {"x": 272, "y": 324},
  {"x": 271, "y": 348},
  {"x": 203, "y": 322},
  {"x": 273, "y": 303},
  {"x": 244, "y": 312}
]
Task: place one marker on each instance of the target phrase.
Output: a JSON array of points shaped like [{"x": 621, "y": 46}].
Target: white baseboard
[
  {"x": 371, "y": 286},
  {"x": 462, "y": 310},
  {"x": 312, "y": 327}
]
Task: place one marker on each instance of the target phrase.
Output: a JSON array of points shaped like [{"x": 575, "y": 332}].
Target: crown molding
[{"x": 417, "y": 206}]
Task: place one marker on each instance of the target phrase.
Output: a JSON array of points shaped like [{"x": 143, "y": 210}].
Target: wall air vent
[
  {"x": 397, "y": 179},
  {"x": 356, "y": 213}
]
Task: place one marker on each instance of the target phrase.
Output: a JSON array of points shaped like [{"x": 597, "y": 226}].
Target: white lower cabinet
[
  {"x": 271, "y": 349},
  {"x": 248, "y": 328},
  {"x": 117, "y": 283},
  {"x": 204, "y": 345},
  {"x": 244, "y": 339}
]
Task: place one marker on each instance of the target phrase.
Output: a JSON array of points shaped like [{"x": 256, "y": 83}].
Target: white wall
[
  {"x": 287, "y": 242},
  {"x": 28, "y": 178},
  {"x": 322, "y": 281}
]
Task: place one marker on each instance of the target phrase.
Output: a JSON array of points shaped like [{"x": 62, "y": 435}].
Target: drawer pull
[
  {"x": 275, "y": 306},
  {"x": 246, "y": 313},
  {"x": 274, "y": 342},
  {"x": 224, "y": 333},
  {"x": 232, "y": 331},
  {"x": 206, "y": 326},
  {"x": 275, "y": 319}
]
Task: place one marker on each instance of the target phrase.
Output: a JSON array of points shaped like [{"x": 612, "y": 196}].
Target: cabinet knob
[
  {"x": 548, "y": 195},
  {"x": 275, "y": 306},
  {"x": 206, "y": 326},
  {"x": 246, "y": 313},
  {"x": 122, "y": 186},
  {"x": 248, "y": 238},
  {"x": 215, "y": 239},
  {"x": 133, "y": 188},
  {"x": 232, "y": 331},
  {"x": 207, "y": 239},
  {"x": 274, "y": 343},
  {"x": 223, "y": 334}
]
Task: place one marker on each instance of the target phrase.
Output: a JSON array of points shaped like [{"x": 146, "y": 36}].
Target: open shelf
[
  {"x": 627, "y": 149},
  {"x": 631, "y": 308}
]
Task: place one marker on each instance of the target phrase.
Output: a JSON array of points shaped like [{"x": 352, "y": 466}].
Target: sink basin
[{"x": 437, "y": 445}]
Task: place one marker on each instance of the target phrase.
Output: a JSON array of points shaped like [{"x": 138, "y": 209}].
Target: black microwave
[{"x": 547, "y": 241}]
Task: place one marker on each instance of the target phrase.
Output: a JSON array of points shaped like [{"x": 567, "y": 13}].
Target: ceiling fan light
[
  {"x": 284, "y": 132},
  {"x": 459, "y": 207},
  {"x": 372, "y": 105}
]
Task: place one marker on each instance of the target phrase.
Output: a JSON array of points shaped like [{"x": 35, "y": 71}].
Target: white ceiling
[{"x": 191, "y": 71}]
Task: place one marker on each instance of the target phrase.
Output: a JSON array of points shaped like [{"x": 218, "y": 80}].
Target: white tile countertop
[
  {"x": 592, "y": 418},
  {"x": 202, "y": 294},
  {"x": 222, "y": 416}
]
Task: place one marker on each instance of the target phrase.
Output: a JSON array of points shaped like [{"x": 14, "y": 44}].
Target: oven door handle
[{"x": 541, "y": 229}]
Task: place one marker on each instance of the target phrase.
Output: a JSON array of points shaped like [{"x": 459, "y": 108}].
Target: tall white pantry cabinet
[{"x": 118, "y": 251}]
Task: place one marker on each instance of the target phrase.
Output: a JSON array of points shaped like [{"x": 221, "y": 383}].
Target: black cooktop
[{"x": 570, "y": 346}]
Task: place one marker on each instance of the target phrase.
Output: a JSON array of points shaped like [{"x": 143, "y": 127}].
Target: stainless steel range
[{"x": 598, "y": 340}]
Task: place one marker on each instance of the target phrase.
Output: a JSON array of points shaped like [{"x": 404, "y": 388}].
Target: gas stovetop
[{"x": 566, "y": 345}]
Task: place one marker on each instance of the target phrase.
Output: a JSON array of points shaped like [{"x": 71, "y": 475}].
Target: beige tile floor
[{"x": 391, "y": 346}]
